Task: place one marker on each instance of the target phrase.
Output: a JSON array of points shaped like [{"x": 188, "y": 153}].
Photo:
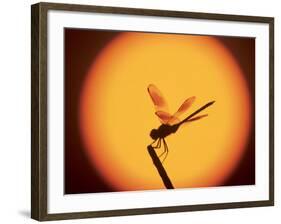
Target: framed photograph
[{"x": 139, "y": 111}]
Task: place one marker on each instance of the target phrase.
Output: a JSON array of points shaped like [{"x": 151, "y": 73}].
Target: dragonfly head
[{"x": 154, "y": 134}]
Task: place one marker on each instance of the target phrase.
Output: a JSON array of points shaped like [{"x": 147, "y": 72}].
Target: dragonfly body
[
  {"x": 170, "y": 123},
  {"x": 165, "y": 130}
]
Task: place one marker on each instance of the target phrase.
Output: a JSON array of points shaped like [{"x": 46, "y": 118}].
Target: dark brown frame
[{"x": 39, "y": 105}]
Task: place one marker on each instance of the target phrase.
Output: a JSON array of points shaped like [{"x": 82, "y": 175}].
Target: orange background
[{"x": 113, "y": 113}]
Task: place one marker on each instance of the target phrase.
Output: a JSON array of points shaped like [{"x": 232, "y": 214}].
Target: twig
[{"x": 162, "y": 172}]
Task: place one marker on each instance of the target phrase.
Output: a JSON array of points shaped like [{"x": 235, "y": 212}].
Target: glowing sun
[{"x": 116, "y": 113}]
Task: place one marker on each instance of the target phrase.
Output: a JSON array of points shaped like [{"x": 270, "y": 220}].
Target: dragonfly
[{"x": 170, "y": 123}]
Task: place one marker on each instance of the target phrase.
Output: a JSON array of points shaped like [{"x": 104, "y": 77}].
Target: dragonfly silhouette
[{"x": 170, "y": 123}]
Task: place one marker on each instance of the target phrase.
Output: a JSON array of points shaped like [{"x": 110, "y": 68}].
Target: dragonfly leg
[
  {"x": 158, "y": 145},
  {"x": 165, "y": 150},
  {"x": 153, "y": 142}
]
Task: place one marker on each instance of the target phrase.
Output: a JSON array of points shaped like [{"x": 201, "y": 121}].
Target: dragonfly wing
[
  {"x": 173, "y": 120},
  {"x": 194, "y": 119},
  {"x": 198, "y": 117},
  {"x": 163, "y": 116},
  {"x": 185, "y": 105},
  {"x": 157, "y": 98}
]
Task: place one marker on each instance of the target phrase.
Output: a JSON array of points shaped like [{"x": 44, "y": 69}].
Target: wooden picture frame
[{"x": 40, "y": 104}]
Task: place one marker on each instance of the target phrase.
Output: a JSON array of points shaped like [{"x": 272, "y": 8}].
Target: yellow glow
[{"x": 117, "y": 114}]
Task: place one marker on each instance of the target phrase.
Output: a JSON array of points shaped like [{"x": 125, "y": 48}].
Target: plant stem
[{"x": 161, "y": 170}]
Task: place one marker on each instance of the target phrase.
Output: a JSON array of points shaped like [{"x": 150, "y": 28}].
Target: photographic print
[
  {"x": 141, "y": 111},
  {"x": 150, "y": 111}
]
